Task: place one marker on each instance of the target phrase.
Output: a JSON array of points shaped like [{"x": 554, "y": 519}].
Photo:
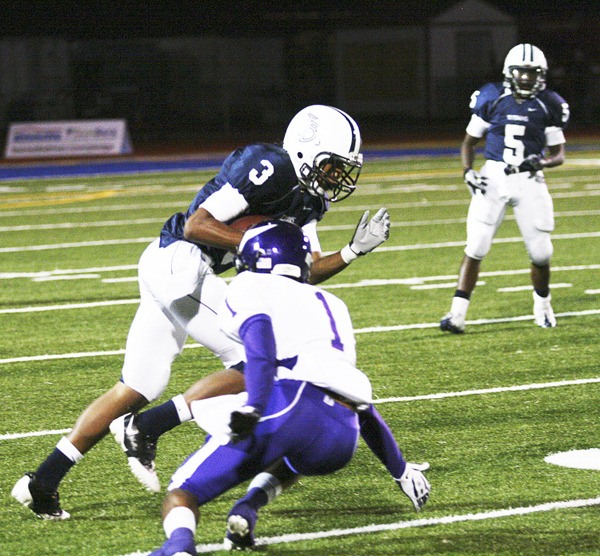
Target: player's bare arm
[
  {"x": 203, "y": 227},
  {"x": 325, "y": 267},
  {"x": 467, "y": 151},
  {"x": 555, "y": 156}
]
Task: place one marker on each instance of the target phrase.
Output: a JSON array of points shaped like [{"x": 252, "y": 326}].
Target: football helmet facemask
[
  {"x": 275, "y": 247},
  {"x": 324, "y": 145},
  {"x": 525, "y": 69}
]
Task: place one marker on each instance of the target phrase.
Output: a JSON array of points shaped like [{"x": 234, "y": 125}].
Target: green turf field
[{"x": 484, "y": 408}]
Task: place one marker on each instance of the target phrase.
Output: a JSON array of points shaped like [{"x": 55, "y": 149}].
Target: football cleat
[
  {"x": 44, "y": 503},
  {"x": 452, "y": 323},
  {"x": 139, "y": 448},
  {"x": 414, "y": 484},
  {"x": 542, "y": 311},
  {"x": 240, "y": 528}
]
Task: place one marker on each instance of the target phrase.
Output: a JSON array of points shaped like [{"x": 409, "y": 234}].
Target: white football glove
[
  {"x": 368, "y": 235},
  {"x": 475, "y": 181},
  {"x": 414, "y": 484}
]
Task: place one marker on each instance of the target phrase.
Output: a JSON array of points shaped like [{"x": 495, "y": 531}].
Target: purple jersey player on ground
[
  {"x": 520, "y": 118},
  {"x": 304, "y": 392},
  {"x": 180, "y": 289}
]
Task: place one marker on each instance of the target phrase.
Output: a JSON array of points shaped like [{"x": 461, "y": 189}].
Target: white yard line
[
  {"x": 401, "y": 399},
  {"x": 415, "y": 283},
  {"x": 369, "y": 189},
  {"x": 42, "y": 273},
  {"x": 382, "y": 249},
  {"x": 340, "y": 227},
  {"x": 498, "y": 390},
  {"x": 423, "y": 522},
  {"x": 70, "y": 225},
  {"x": 99, "y": 243},
  {"x": 93, "y": 209},
  {"x": 68, "y": 306}
]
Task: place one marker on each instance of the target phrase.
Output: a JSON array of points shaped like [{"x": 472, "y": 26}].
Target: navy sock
[
  {"x": 463, "y": 294},
  {"x": 256, "y": 498},
  {"x": 158, "y": 420},
  {"x": 181, "y": 541},
  {"x": 543, "y": 293},
  {"x": 53, "y": 469}
]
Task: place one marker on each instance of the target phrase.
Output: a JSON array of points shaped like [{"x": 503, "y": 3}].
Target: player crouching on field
[{"x": 304, "y": 391}]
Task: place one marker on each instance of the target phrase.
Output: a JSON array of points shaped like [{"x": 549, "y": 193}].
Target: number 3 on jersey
[{"x": 267, "y": 170}]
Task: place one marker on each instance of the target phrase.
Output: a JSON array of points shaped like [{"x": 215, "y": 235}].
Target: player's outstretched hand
[
  {"x": 414, "y": 484},
  {"x": 475, "y": 181},
  {"x": 370, "y": 234}
]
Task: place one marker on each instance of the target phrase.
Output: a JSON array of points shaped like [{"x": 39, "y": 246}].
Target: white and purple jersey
[
  {"x": 300, "y": 353},
  {"x": 300, "y": 358},
  {"x": 312, "y": 329},
  {"x": 255, "y": 179},
  {"x": 516, "y": 128}
]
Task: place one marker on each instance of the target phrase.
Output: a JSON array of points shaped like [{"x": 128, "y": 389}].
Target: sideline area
[
  {"x": 168, "y": 163},
  {"x": 200, "y": 157}
]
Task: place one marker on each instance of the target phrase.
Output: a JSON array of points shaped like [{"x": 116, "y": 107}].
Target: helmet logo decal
[
  {"x": 253, "y": 232},
  {"x": 310, "y": 133}
]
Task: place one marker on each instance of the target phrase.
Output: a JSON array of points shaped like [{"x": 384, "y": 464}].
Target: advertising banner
[{"x": 67, "y": 139}]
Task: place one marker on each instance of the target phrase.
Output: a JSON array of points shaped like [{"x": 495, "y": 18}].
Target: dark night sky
[{"x": 112, "y": 20}]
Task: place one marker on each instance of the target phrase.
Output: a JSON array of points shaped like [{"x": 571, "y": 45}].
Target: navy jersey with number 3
[
  {"x": 264, "y": 175},
  {"x": 517, "y": 128}
]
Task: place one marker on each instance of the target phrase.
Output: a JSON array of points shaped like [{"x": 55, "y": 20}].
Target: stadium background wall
[{"x": 395, "y": 69}]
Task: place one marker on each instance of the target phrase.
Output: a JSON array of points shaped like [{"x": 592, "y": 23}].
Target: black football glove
[
  {"x": 531, "y": 163},
  {"x": 243, "y": 422},
  {"x": 475, "y": 181}
]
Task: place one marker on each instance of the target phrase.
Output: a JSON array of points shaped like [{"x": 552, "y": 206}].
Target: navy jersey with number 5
[
  {"x": 264, "y": 175},
  {"x": 516, "y": 128}
]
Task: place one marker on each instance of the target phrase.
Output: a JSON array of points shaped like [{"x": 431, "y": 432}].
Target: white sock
[
  {"x": 182, "y": 408},
  {"x": 179, "y": 517},
  {"x": 539, "y": 299},
  {"x": 267, "y": 482},
  {"x": 459, "y": 306},
  {"x": 65, "y": 446}
]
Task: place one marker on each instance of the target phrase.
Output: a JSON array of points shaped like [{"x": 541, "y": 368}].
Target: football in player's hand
[{"x": 242, "y": 223}]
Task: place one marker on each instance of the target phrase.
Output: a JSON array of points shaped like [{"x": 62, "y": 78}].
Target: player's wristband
[{"x": 348, "y": 255}]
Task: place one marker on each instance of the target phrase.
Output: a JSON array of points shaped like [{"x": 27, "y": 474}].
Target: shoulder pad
[
  {"x": 490, "y": 92},
  {"x": 557, "y": 107}
]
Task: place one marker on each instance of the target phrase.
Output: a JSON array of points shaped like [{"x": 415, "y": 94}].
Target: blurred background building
[{"x": 208, "y": 71}]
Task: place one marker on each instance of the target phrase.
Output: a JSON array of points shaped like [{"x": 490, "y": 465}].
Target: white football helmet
[
  {"x": 324, "y": 145},
  {"x": 525, "y": 70}
]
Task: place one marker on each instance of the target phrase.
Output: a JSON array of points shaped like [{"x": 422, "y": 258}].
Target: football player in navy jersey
[
  {"x": 522, "y": 122},
  {"x": 180, "y": 290}
]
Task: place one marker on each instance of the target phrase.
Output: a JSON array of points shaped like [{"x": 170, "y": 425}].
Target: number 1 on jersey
[{"x": 337, "y": 341}]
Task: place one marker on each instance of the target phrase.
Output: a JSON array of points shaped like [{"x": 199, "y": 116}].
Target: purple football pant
[{"x": 313, "y": 433}]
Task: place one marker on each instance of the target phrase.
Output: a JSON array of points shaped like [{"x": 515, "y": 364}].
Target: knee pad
[
  {"x": 540, "y": 249},
  {"x": 479, "y": 240}
]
